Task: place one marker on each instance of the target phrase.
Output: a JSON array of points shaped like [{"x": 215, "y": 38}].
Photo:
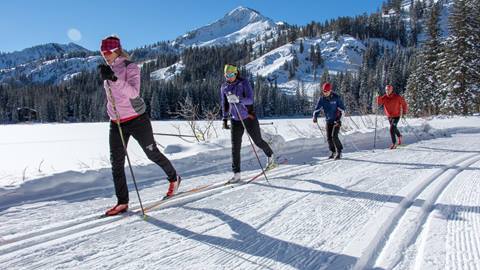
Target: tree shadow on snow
[
  {"x": 453, "y": 211},
  {"x": 413, "y": 166},
  {"x": 448, "y": 150}
]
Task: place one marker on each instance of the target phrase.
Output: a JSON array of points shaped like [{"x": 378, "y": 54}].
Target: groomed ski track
[{"x": 373, "y": 209}]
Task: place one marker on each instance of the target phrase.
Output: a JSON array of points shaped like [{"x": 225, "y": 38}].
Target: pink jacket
[{"x": 125, "y": 91}]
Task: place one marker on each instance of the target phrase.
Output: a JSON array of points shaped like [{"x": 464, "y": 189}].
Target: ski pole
[
  {"x": 251, "y": 143},
  {"x": 351, "y": 140},
  {"x": 375, "y": 133},
  {"x": 124, "y": 145},
  {"x": 321, "y": 131},
  {"x": 345, "y": 137},
  {"x": 174, "y": 135},
  {"x": 160, "y": 144},
  {"x": 332, "y": 135},
  {"x": 264, "y": 124},
  {"x": 351, "y": 120}
]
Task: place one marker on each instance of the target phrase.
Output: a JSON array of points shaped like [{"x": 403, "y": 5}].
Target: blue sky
[{"x": 26, "y": 23}]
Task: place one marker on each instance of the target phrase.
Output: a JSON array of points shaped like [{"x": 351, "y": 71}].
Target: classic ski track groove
[
  {"x": 179, "y": 252},
  {"x": 80, "y": 226},
  {"x": 94, "y": 217},
  {"x": 380, "y": 240},
  {"x": 190, "y": 173},
  {"x": 465, "y": 242},
  {"x": 228, "y": 252},
  {"x": 462, "y": 237},
  {"x": 92, "y": 222},
  {"x": 349, "y": 221},
  {"x": 273, "y": 173},
  {"x": 414, "y": 229},
  {"x": 76, "y": 225}
]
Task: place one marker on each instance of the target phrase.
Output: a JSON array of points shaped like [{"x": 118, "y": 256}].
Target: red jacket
[{"x": 392, "y": 105}]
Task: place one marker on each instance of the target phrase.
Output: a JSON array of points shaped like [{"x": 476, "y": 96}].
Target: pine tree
[
  {"x": 460, "y": 62},
  {"x": 415, "y": 90},
  {"x": 474, "y": 29},
  {"x": 430, "y": 63}
]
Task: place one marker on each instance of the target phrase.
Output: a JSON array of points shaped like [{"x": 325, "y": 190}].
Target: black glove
[
  {"x": 251, "y": 112},
  {"x": 225, "y": 124},
  {"x": 337, "y": 123},
  {"x": 252, "y": 115},
  {"x": 314, "y": 120},
  {"x": 106, "y": 73}
]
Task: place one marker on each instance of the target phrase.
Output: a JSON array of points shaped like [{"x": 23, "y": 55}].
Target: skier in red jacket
[{"x": 395, "y": 107}]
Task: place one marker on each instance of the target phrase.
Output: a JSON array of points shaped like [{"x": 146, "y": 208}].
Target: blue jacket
[
  {"x": 332, "y": 106},
  {"x": 241, "y": 88}
]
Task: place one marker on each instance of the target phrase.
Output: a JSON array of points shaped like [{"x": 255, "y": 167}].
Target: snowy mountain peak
[
  {"x": 244, "y": 12},
  {"x": 239, "y": 24},
  {"x": 49, "y": 63},
  {"x": 13, "y": 59}
]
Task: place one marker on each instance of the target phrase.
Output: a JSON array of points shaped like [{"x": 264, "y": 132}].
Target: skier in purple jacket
[
  {"x": 236, "y": 93},
  {"x": 127, "y": 109}
]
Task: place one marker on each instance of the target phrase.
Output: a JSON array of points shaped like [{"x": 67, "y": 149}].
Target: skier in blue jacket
[
  {"x": 236, "y": 93},
  {"x": 333, "y": 107}
]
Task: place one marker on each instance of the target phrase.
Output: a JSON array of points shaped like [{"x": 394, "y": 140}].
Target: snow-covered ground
[
  {"x": 40, "y": 150},
  {"x": 415, "y": 207}
]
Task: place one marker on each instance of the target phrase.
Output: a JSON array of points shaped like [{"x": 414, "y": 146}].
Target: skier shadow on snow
[
  {"x": 248, "y": 240},
  {"x": 448, "y": 211},
  {"x": 341, "y": 192}
]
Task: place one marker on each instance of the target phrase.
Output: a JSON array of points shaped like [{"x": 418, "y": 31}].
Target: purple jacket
[
  {"x": 125, "y": 91},
  {"x": 243, "y": 90}
]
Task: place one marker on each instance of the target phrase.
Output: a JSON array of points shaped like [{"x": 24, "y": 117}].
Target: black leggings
[
  {"x": 141, "y": 129},
  {"x": 332, "y": 137},
  {"x": 253, "y": 128},
  {"x": 393, "y": 128}
]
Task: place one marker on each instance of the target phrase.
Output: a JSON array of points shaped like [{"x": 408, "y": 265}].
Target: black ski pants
[
  {"x": 393, "y": 128},
  {"x": 334, "y": 143},
  {"x": 141, "y": 130},
  {"x": 237, "y": 130}
]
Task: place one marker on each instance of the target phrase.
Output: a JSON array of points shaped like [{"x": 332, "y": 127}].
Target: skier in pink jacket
[{"x": 125, "y": 106}]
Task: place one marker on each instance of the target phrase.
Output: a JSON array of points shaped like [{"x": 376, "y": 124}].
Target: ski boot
[
  {"x": 235, "y": 179},
  {"x": 117, "y": 209},
  {"x": 271, "y": 163},
  {"x": 173, "y": 187}
]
